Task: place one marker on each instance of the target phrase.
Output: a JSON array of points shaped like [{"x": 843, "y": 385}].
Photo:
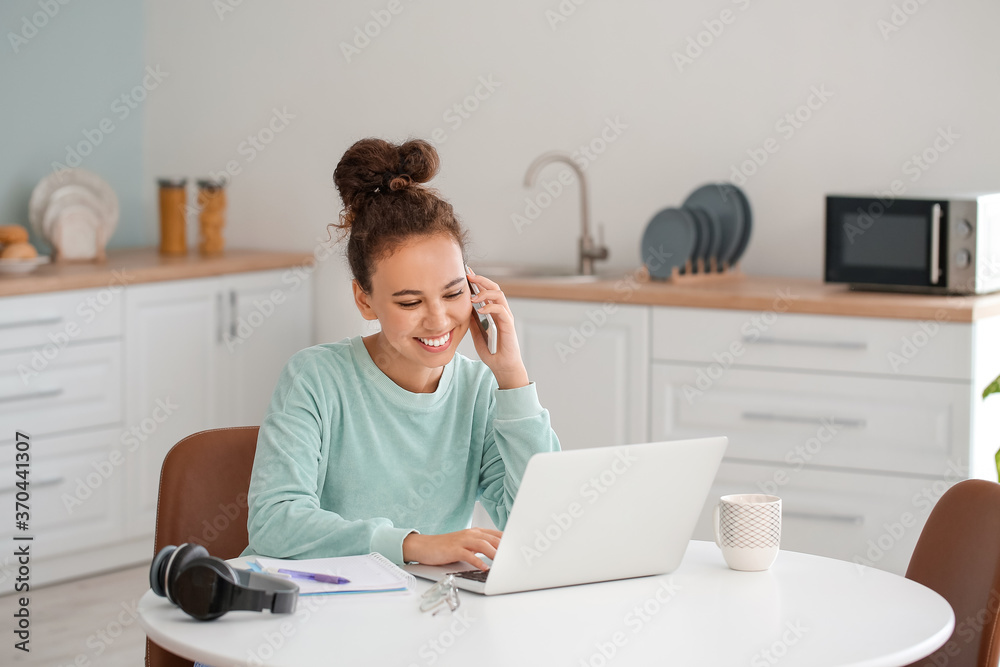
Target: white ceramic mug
[{"x": 748, "y": 530}]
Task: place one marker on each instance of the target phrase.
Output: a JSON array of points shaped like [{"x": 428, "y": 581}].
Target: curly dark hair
[{"x": 384, "y": 203}]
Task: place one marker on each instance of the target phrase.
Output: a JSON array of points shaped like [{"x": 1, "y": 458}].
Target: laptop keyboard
[{"x": 474, "y": 575}]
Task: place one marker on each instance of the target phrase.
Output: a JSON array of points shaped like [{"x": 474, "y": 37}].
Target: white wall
[{"x": 608, "y": 60}]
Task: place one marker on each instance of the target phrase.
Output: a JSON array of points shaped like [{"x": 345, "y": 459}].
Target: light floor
[{"x": 82, "y": 623}]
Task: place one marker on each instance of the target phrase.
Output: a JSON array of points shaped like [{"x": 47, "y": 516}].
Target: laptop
[{"x": 589, "y": 515}]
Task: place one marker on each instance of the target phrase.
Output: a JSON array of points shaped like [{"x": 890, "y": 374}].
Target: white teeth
[{"x": 436, "y": 342}]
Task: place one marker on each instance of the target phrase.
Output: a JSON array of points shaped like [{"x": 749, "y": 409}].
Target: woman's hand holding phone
[
  {"x": 506, "y": 364},
  {"x": 485, "y": 320},
  {"x": 450, "y": 547}
]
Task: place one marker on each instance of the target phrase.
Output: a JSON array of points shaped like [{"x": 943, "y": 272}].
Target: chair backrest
[
  {"x": 958, "y": 555},
  {"x": 203, "y": 498}
]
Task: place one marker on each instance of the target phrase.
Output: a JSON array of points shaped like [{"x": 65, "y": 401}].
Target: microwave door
[{"x": 897, "y": 247}]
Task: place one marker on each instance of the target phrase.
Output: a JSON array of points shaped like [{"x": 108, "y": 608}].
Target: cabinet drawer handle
[
  {"x": 232, "y": 314},
  {"x": 50, "y": 319},
  {"x": 835, "y": 344},
  {"x": 856, "y": 519},
  {"x": 793, "y": 419},
  {"x": 50, "y": 481},
  {"x": 218, "y": 317},
  {"x": 44, "y": 393}
]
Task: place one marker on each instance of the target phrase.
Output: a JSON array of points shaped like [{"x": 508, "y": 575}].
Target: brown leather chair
[
  {"x": 203, "y": 499},
  {"x": 958, "y": 555}
]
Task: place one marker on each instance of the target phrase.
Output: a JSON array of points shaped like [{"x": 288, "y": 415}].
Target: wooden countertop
[
  {"x": 760, "y": 293},
  {"x": 146, "y": 265},
  {"x": 738, "y": 292}
]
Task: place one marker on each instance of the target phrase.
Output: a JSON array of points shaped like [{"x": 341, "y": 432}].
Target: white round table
[{"x": 805, "y": 610}]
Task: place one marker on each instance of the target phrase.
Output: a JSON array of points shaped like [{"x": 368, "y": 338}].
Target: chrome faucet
[{"x": 589, "y": 251}]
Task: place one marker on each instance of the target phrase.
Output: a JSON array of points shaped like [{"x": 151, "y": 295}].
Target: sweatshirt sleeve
[
  {"x": 285, "y": 518},
  {"x": 520, "y": 428}
]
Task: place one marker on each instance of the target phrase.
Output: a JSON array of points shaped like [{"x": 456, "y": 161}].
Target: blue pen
[{"x": 324, "y": 578}]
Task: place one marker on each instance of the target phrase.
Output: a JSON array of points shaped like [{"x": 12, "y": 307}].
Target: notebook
[{"x": 370, "y": 573}]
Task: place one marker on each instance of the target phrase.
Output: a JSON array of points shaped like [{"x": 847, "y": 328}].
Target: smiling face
[{"x": 420, "y": 297}]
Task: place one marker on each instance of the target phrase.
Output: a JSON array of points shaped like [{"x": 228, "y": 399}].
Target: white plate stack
[{"x": 76, "y": 211}]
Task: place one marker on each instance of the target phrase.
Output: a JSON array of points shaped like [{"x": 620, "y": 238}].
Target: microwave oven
[{"x": 937, "y": 246}]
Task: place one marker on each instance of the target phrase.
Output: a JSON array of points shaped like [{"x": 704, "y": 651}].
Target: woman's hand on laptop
[{"x": 450, "y": 547}]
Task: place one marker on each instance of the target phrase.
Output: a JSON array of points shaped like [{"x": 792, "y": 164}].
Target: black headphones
[{"x": 206, "y": 587}]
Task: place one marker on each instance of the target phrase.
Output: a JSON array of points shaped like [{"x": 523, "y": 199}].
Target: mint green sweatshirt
[{"x": 348, "y": 462}]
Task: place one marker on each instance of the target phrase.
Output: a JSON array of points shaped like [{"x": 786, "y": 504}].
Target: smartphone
[{"x": 486, "y": 322}]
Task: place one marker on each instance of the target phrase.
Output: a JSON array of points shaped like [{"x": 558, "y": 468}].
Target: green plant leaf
[{"x": 993, "y": 388}]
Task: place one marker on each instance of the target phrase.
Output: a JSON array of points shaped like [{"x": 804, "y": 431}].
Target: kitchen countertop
[
  {"x": 735, "y": 292},
  {"x": 145, "y": 265},
  {"x": 759, "y": 293}
]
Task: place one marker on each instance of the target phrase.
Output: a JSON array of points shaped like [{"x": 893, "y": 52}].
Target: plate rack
[{"x": 693, "y": 273}]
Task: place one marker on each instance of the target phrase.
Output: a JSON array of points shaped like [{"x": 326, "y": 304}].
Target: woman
[{"x": 384, "y": 443}]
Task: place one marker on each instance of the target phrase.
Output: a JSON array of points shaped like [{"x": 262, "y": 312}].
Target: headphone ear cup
[
  {"x": 204, "y": 588},
  {"x": 225, "y": 570},
  {"x": 177, "y": 561},
  {"x": 158, "y": 568}
]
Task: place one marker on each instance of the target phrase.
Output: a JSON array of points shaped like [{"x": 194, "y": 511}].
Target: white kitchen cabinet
[
  {"x": 106, "y": 380},
  {"x": 852, "y": 421},
  {"x": 892, "y": 425},
  {"x": 44, "y": 323},
  {"x": 845, "y": 454},
  {"x": 173, "y": 343},
  {"x": 77, "y": 490},
  {"x": 867, "y": 519},
  {"x": 269, "y": 320},
  {"x": 61, "y": 384},
  {"x": 202, "y": 354},
  {"x": 79, "y": 387},
  {"x": 590, "y": 362},
  {"x": 832, "y": 343}
]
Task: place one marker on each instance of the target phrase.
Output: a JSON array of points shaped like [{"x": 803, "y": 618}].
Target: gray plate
[
  {"x": 669, "y": 240},
  {"x": 748, "y": 223},
  {"x": 711, "y": 233},
  {"x": 704, "y": 228},
  {"x": 721, "y": 203}
]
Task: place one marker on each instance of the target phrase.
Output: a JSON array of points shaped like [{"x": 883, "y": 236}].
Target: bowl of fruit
[{"x": 16, "y": 254}]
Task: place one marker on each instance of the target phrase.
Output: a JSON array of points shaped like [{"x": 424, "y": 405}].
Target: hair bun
[
  {"x": 373, "y": 166},
  {"x": 418, "y": 160}
]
